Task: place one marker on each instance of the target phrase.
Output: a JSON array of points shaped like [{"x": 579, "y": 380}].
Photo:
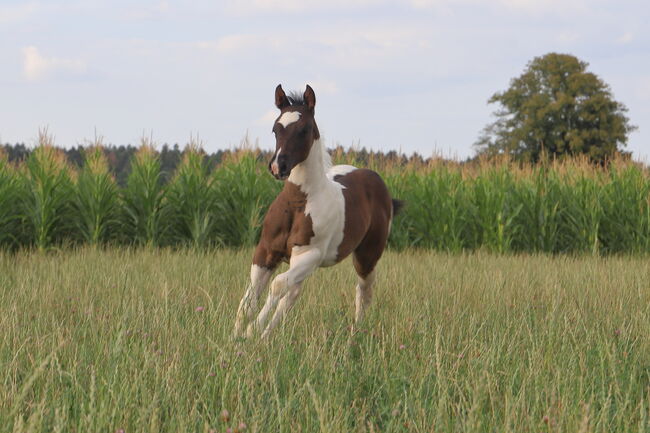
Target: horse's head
[{"x": 295, "y": 131}]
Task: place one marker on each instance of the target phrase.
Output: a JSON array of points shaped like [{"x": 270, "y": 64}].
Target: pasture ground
[{"x": 139, "y": 340}]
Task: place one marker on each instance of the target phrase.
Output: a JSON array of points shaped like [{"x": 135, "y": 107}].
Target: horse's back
[{"x": 368, "y": 208}]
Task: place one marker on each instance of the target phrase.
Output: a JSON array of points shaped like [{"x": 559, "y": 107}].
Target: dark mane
[{"x": 296, "y": 98}]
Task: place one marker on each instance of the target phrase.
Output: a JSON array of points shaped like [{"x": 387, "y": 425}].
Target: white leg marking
[
  {"x": 303, "y": 262},
  {"x": 248, "y": 305},
  {"x": 288, "y": 118},
  {"x": 284, "y": 305},
  {"x": 364, "y": 296}
]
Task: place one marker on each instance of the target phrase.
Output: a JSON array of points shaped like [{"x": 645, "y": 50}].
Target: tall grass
[
  {"x": 559, "y": 207},
  {"x": 105, "y": 340}
]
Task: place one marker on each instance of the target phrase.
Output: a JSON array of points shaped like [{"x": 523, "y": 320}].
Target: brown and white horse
[{"x": 323, "y": 214}]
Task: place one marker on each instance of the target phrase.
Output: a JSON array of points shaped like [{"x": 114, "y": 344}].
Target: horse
[{"x": 323, "y": 214}]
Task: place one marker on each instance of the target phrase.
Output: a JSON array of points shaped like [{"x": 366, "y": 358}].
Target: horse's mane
[
  {"x": 327, "y": 159},
  {"x": 296, "y": 98}
]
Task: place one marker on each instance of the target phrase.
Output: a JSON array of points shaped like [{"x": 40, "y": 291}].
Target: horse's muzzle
[{"x": 279, "y": 167}]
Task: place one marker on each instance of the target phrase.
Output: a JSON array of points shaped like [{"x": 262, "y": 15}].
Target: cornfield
[{"x": 565, "y": 206}]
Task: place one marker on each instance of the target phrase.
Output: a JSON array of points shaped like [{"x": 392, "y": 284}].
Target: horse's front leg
[
  {"x": 260, "y": 276},
  {"x": 285, "y": 288}
]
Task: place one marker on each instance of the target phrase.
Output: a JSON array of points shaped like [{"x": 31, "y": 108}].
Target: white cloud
[
  {"x": 255, "y": 6},
  {"x": 328, "y": 87},
  {"x": 147, "y": 12},
  {"x": 239, "y": 42},
  {"x": 528, "y": 6},
  {"x": 37, "y": 67},
  {"x": 643, "y": 89},
  {"x": 358, "y": 47},
  {"x": 17, "y": 12},
  {"x": 268, "y": 118},
  {"x": 625, "y": 38}
]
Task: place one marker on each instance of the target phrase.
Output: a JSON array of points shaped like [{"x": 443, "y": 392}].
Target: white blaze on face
[
  {"x": 288, "y": 118},
  {"x": 274, "y": 162}
]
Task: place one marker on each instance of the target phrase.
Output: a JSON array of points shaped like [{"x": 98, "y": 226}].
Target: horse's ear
[
  {"x": 310, "y": 97},
  {"x": 281, "y": 99}
]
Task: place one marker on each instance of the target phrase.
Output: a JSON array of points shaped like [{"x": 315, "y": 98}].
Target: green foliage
[
  {"x": 556, "y": 108},
  {"x": 438, "y": 208},
  {"x": 567, "y": 206},
  {"x": 96, "y": 199},
  {"x": 10, "y": 215},
  {"x": 192, "y": 203},
  {"x": 143, "y": 199},
  {"x": 538, "y": 220},
  {"x": 244, "y": 191},
  {"x": 46, "y": 203},
  {"x": 625, "y": 211}
]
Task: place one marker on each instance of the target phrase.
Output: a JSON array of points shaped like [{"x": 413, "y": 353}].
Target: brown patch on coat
[
  {"x": 285, "y": 226},
  {"x": 368, "y": 211}
]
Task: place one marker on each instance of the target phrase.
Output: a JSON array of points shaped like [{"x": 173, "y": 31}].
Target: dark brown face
[{"x": 295, "y": 131}]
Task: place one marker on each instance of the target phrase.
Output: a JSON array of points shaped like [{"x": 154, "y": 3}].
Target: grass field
[{"x": 138, "y": 340}]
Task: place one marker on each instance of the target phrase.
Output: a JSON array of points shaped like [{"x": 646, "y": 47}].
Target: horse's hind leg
[
  {"x": 363, "y": 296},
  {"x": 365, "y": 259}
]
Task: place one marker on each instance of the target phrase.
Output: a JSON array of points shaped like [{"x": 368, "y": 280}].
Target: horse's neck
[{"x": 310, "y": 175}]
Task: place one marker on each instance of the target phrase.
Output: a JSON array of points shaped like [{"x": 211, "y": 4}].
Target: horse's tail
[{"x": 397, "y": 206}]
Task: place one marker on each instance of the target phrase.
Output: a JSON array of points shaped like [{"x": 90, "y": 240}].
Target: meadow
[
  {"x": 567, "y": 206},
  {"x": 133, "y": 340},
  {"x": 513, "y": 298}
]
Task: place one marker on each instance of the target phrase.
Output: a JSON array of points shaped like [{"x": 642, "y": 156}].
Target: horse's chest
[{"x": 327, "y": 213}]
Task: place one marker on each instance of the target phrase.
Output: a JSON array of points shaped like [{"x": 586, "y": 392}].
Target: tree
[{"x": 556, "y": 108}]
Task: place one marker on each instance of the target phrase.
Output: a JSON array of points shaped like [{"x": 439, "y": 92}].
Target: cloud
[
  {"x": 147, "y": 12},
  {"x": 323, "y": 86},
  {"x": 625, "y": 38},
  {"x": 344, "y": 47},
  {"x": 18, "y": 12},
  {"x": 240, "y": 42},
  {"x": 257, "y": 6},
  {"x": 267, "y": 118},
  {"x": 643, "y": 89},
  {"x": 527, "y": 6},
  {"x": 37, "y": 67}
]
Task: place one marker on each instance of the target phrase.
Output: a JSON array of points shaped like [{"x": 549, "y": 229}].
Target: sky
[{"x": 410, "y": 75}]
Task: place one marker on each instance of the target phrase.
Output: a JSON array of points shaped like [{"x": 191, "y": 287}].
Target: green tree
[{"x": 556, "y": 108}]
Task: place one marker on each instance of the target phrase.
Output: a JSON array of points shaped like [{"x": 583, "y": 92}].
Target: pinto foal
[{"x": 323, "y": 214}]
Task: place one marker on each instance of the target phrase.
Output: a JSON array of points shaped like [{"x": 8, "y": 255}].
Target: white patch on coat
[
  {"x": 274, "y": 162},
  {"x": 288, "y": 118},
  {"x": 325, "y": 202},
  {"x": 339, "y": 170}
]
